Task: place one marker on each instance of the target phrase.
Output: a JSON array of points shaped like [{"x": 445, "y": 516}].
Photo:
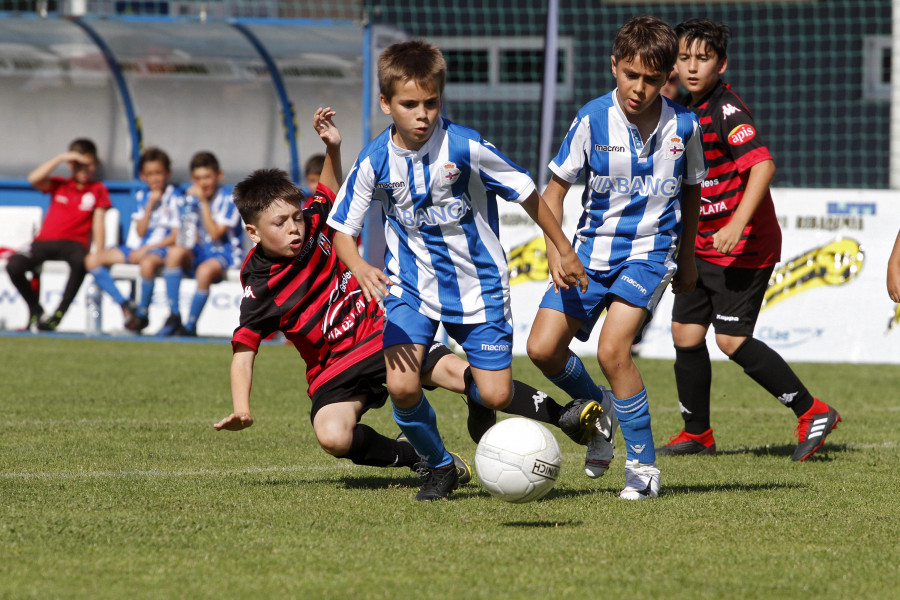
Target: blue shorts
[
  {"x": 487, "y": 346},
  {"x": 638, "y": 282},
  {"x": 204, "y": 252},
  {"x": 126, "y": 252}
]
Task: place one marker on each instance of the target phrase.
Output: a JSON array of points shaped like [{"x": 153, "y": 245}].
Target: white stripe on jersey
[
  {"x": 441, "y": 224},
  {"x": 163, "y": 218},
  {"x": 632, "y": 201}
]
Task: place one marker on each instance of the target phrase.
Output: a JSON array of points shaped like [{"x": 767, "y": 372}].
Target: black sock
[
  {"x": 372, "y": 449},
  {"x": 768, "y": 369},
  {"x": 534, "y": 404},
  {"x": 693, "y": 378}
]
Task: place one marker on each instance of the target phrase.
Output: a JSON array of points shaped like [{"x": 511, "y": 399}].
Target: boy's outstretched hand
[
  {"x": 235, "y": 422},
  {"x": 324, "y": 125}
]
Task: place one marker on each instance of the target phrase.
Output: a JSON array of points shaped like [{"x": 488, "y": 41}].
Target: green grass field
[{"x": 114, "y": 484}]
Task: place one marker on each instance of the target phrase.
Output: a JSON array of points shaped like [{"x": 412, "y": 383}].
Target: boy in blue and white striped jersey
[
  {"x": 438, "y": 184},
  {"x": 643, "y": 161}
]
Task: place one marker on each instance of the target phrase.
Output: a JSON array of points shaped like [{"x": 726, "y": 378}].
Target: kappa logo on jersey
[
  {"x": 449, "y": 173},
  {"x": 741, "y": 134},
  {"x": 248, "y": 292},
  {"x": 325, "y": 244},
  {"x": 729, "y": 109},
  {"x": 674, "y": 148}
]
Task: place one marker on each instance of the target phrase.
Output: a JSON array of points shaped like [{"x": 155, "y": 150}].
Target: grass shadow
[
  {"x": 787, "y": 450},
  {"x": 669, "y": 490},
  {"x": 542, "y": 524}
]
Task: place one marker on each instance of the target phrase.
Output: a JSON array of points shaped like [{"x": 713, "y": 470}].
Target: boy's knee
[
  {"x": 540, "y": 354},
  {"x": 334, "y": 440}
]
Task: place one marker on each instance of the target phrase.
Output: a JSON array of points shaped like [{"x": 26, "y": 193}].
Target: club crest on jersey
[
  {"x": 325, "y": 244},
  {"x": 741, "y": 134},
  {"x": 449, "y": 173},
  {"x": 674, "y": 148},
  {"x": 88, "y": 201}
]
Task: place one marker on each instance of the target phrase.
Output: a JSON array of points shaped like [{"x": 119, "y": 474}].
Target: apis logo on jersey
[
  {"x": 741, "y": 134},
  {"x": 729, "y": 109}
]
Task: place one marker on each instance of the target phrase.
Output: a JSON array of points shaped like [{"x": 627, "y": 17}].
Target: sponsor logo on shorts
[
  {"x": 495, "y": 347},
  {"x": 634, "y": 283},
  {"x": 727, "y": 318},
  {"x": 248, "y": 292},
  {"x": 741, "y": 134}
]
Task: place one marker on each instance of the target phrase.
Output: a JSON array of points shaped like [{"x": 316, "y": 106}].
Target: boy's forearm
[
  {"x": 758, "y": 180},
  {"x": 242, "y": 380},
  {"x": 332, "y": 175},
  {"x": 690, "y": 217},
  {"x": 348, "y": 252},
  {"x": 41, "y": 173},
  {"x": 542, "y": 214}
]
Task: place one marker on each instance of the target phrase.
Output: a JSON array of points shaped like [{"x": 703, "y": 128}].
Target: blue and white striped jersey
[
  {"x": 632, "y": 195},
  {"x": 223, "y": 212},
  {"x": 440, "y": 220},
  {"x": 163, "y": 218}
]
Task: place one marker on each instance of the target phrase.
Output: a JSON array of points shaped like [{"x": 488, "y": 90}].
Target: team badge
[
  {"x": 674, "y": 148},
  {"x": 325, "y": 244},
  {"x": 449, "y": 173},
  {"x": 741, "y": 134}
]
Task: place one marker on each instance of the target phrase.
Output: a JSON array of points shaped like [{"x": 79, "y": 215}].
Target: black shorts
[
  {"x": 729, "y": 298},
  {"x": 367, "y": 378}
]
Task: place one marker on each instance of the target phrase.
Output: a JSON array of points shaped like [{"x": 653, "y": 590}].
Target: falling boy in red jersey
[{"x": 738, "y": 245}]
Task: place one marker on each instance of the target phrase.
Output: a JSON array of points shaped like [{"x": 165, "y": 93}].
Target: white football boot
[{"x": 641, "y": 480}]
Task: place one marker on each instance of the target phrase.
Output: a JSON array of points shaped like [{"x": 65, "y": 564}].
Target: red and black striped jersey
[
  {"x": 732, "y": 145},
  {"x": 313, "y": 298}
]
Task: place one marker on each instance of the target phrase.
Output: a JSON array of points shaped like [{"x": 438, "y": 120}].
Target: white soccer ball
[{"x": 518, "y": 460}]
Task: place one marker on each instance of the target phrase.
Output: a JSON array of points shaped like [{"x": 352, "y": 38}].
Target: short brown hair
[
  {"x": 415, "y": 60},
  {"x": 84, "y": 146},
  {"x": 154, "y": 154},
  {"x": 260, "y": 189},
  {"x": 650, "y": 39},
  {"x": 206, "y": 159}
]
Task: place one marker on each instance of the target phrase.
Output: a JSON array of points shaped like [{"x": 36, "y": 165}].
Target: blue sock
[
  {"x": 146, "y": 287},
  {"x": 419, "y": 423},
  {"x": 106, "y": 283},
  {"x": 172, "y": 278},
  {"x": 575, "y": 381},
  {"x": 197, "y": 304},
  {"x": 634, "y": 421}
]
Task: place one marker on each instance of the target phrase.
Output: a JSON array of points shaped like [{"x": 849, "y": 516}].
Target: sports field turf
[{"x": 114, "y": 484}]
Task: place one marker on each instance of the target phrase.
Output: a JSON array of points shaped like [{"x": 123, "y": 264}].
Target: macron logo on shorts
[
  {"x": 495, "y": 347},
  {"x": 638, "y": 286}
]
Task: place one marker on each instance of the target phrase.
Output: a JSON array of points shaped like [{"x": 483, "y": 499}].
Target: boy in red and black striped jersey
[
  {"x": 293, "y": 282},
  {"x": 738, "y": 244}
]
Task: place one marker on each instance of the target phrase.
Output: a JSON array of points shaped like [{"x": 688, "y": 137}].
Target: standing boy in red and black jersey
[
  {"x": 738, "y": 245},
  {"x": 293, "y": 282}
]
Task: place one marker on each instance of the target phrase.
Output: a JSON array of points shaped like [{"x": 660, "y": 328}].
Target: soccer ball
[{"x": 518, "y": 460}]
